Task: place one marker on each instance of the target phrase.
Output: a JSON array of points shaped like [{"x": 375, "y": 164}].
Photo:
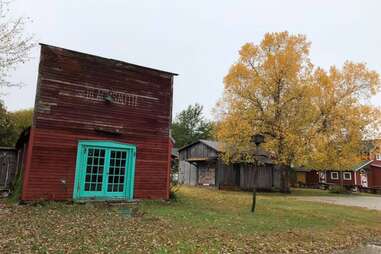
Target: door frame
[{"x": 130, "y": 173}]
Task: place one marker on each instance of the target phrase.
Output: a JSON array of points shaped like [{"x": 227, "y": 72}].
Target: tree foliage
[
  {"x": 343, "y": 118},
  {"x": 8, "y": 133},
  {"x": 12, "y": 124},
  {"x": 14, "y": 45},
  {"x": 308, "y": 115},
  {"x": 22, "y": 119},
  {"x": 190, "y": 125}
]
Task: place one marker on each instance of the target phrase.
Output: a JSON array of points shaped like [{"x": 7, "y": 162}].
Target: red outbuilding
[
  {"x": 365, "y": 175},
  {"x": 369, "y": 175},
  {"x": 100, "y": 130}
]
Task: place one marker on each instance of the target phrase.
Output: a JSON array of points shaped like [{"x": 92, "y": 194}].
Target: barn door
[{"x": 105, "y": 170}]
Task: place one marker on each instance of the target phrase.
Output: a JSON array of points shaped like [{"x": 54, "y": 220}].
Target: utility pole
[{"x": 257, "y": 139}]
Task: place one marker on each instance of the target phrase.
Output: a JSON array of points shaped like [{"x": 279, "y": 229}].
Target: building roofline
[
  {"x": 7, "y": 148},
  {"x": 198, "y": 141},
  {"x": 188, "y": 145},
  {"x": 23, "y": 137},
  {"x": 363, "y": 165},
  {"x": 110, "y": 59}
]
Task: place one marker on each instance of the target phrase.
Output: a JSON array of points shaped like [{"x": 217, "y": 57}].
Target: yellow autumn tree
[
  {"x": 267, "y": 91},
  {"x": 308, "y": 116},
  {"x": 344, "y": 118}
]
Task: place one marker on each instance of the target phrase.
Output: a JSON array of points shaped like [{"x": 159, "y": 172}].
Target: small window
[
  {"x": 334, "y": 175},
  {"x": 347, "y": 176},
  {"x": 378, "y": 156}
]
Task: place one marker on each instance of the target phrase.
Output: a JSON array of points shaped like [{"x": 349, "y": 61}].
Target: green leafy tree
[
  {"x": 22, "y": 119},
  {"x": 8, "y": 133},
  {"x": 190, "y": 125}
]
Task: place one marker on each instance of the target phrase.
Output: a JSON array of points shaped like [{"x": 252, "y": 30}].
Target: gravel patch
[{"x": 373, "y": 203}]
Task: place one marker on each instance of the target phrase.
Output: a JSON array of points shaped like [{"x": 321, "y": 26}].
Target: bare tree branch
[{"x": 15, "y": 46}]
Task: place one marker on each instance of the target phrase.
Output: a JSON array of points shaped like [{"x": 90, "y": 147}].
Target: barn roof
[
  {"x": 264, "y": 156},
  {"x": 215, "y": 145},
  {"x": 302, "y": 169},
  {"x": 7, "y": 148},
  {"x": 218, "y": 146},
  {"x": 175, "y": 152},
  {"x": 361, "y": 165},
  {"x": 355, "y": 167}
]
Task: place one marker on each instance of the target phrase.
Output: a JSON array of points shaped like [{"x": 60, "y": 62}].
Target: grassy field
[{"x": 200, "y": 221}]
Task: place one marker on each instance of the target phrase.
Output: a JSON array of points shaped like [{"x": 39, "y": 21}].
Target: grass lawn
[{"x": 200, "y": 221}]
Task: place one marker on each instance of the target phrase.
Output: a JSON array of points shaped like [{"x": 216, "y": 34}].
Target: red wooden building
[
  {"x": 365, "y": 175},
  {"x": 100, "y": 129},
  {"x": 369, "y": 175}
]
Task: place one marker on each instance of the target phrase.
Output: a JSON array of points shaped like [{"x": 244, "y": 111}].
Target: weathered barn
[
  {"x": 100, "y": 129},
  {"x": 200, "y": 164}
]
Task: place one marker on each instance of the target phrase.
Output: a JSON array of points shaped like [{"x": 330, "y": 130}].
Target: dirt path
[{"x": 373, "y": 203}]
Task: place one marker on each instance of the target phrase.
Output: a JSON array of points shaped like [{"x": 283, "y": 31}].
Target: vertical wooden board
[
  {"x": 369, "y": 177},
  {"x": 312, "y": 177},
  {"x": 192, "y": 174},
  {"x": 183, "y": 172},
  {"x": 376, "y": 177},
  {"x": 277, "y": 177}
]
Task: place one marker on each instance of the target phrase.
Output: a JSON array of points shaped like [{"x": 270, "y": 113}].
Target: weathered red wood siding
[
  {"x": 338, "y": 181},
  {"x": 358, "y": 178},
  {"x": 70, "y": 107},
  {"x": 312, "y": 177},
  {"x": 374, "y": 175}
]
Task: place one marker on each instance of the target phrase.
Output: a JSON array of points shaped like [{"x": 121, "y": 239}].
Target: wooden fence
[{"x": 7, "y": 167}]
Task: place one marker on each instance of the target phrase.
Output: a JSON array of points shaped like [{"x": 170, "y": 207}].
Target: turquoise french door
[{"x": 105, "y": 170}]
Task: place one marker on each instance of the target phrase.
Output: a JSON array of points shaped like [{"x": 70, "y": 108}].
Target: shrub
[
  {"x": 174, "y": 187},
  {"x": 338, "y": 189},
  {"x": 16, "y": 188}
]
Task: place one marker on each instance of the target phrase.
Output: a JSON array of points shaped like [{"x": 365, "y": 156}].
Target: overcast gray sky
[{"x": 199, "y": 40}]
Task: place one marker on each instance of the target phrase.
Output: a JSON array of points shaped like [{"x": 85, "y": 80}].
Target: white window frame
[
  {"x": 378, "y": 157},
  {"x": 345, "y": 174},
  {"x": 336, "y": 177}
]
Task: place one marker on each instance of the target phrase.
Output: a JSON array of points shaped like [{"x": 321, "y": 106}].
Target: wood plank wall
[
  {"x": 70, "y": 106},
  {"x": 8, "y": 161}
]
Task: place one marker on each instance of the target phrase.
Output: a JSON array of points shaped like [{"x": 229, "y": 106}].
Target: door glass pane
[
  {"x": 94, "y": 169},
  {"x": 116, "y": 171}
]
